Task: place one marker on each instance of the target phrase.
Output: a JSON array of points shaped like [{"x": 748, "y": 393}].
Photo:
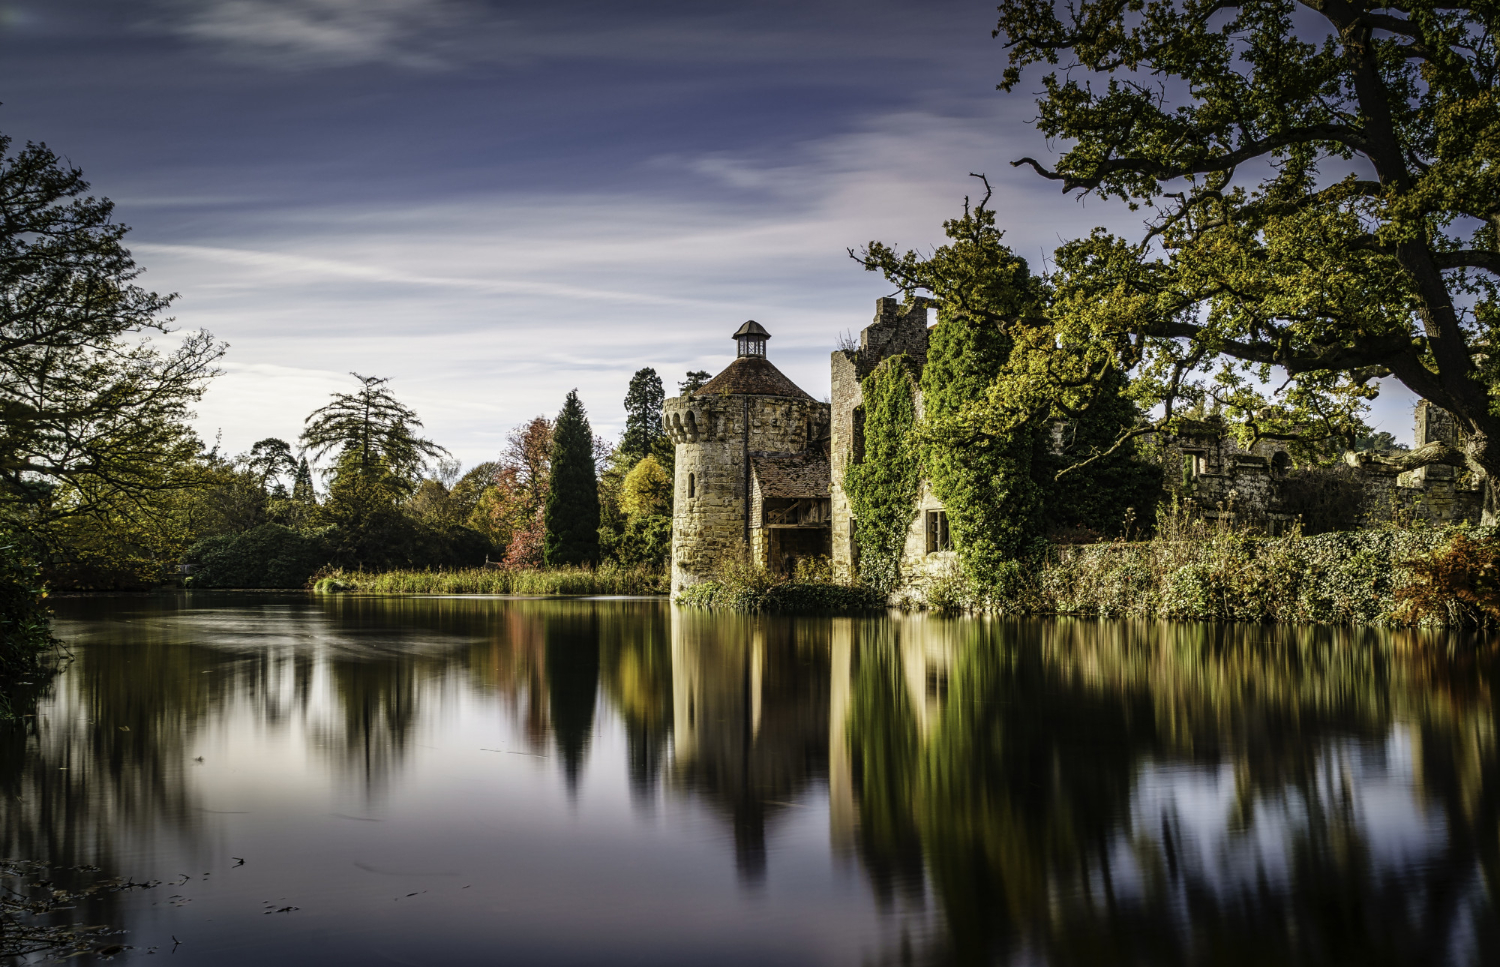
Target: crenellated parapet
[{"x": 721, "y": 433}]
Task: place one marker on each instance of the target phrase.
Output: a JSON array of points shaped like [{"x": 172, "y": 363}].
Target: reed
[{"x": 605, "y": 579}]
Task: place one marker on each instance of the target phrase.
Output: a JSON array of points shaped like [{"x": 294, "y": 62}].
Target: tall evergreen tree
[
  {"x": 572, "y": 514},
  {"x": 643, "y": 402},
  {"x": 695, "y": 380}
]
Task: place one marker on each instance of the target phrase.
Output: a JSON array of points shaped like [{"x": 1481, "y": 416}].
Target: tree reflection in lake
[
  {"x": 1083, "y": 793},
  {"x": 1012, "y": 792}
]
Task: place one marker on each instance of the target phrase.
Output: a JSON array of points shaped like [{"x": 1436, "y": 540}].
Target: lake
[{"x": 466, "y": 780}]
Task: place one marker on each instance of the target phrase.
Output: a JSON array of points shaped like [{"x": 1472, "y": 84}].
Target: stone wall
[
  {"x": 895, "y": 330},
  {"x": 1206, "y": 465},
  {"x": 714, "y": 438},
  {"x": 845, "y": 412}
]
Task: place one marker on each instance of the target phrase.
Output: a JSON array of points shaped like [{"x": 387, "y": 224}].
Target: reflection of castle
[{"x": 750, "y": 719}]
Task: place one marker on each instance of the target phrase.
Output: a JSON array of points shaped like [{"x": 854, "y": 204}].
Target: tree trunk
[
  {"x": 1483, "y": 457},
  {"x": 1401, "y": 461}
]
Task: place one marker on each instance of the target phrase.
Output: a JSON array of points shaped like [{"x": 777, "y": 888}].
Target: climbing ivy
[
  {"x": 882, "y": 488},
  {"x": 986, "y": 482},
  {"x": 1000, "y": 378}
]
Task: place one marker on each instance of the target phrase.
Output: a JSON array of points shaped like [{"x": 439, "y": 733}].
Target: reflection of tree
[
  {"x": 572, "y": 643},
  {"x": 636, "y": 657},
  {"x": 1032, "y": 766},
  {"x": 750, "y": 717}
]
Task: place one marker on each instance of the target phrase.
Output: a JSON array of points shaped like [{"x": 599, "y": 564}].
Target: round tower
[{"x": 748, "y": 416}]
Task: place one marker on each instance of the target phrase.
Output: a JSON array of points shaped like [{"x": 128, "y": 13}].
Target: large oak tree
[
  {"x": 93, "y": 414},
  {"x": 1324, "y": 200}
]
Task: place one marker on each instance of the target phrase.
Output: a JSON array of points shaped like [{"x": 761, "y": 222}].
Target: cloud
[
  {"x": 487, "y": 306},
  {"x": 322, "y": 33}
]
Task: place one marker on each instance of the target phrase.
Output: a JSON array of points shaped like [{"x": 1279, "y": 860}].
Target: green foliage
[
  {"x": 372, "y": 432},
  {"x": 25, "y": 635},
  {"x": 1085, "y": 485},
  {"x": 95, "y": 447},
  {"x": 647, "y": 489},
  {"x": 882, "y": 488},
  {"x": 572, "y": 510},
  {"x": 984, "y": 480},
  {"x": 1196, "y": 572},
  {"x": 605, "y": 579},
  {"x": 1322, "y": 182},
  {"x": 268, "y": 556},
  {"x": 646, "y": 541},
  {"x": 643, "y": 402},
  {"x": 694, "y": 381},
  {"x": 748, "y": 589}
]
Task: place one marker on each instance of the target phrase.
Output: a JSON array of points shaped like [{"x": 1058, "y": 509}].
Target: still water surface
[{"x": 615, "y": 781}]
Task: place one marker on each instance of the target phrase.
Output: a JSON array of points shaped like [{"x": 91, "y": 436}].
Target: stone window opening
[
  {"x": 1281, "y": 463},
  {"x": 857, "y": 449},
  {"x": 937, "y": 532},
  {"x": 692, "y": 487}
]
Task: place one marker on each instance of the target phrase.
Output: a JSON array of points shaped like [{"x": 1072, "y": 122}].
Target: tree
[
  {"x": 647, "y": 489},
  {"x": 572, "y": 512},
  {"x": 1324, "y": 178},
  {"x": 270, "y": 460},
  {"x": 643, "y": 402},
  {"x": 695, "y": 380},
  {"x": 93, "y": 416},
  {"x": 373, "y": 432}
]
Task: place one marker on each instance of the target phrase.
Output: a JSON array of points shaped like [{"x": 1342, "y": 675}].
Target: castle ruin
[{"x": 761, "y": 464}]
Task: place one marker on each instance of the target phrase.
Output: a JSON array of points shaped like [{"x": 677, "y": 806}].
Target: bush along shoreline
[
  {"x": 27, "y": 647},
  {"x": 1436, "y": 577},
  {"x": 749, "y": 589},
  {"x": 1442, "y": 577},
  {"x": 605, "y": 579}
]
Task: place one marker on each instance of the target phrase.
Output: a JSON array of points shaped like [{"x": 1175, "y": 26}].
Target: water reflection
[{"x": 1008, "y": 792}]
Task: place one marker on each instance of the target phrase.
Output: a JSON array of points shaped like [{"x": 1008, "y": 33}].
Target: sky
[{"x": 492, "y": 203}]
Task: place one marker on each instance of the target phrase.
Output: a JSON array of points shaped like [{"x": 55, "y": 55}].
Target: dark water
[{"x": 593, "y": 781}]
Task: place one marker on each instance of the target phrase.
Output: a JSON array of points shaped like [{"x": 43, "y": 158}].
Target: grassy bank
[
  {"x": 606, "y": 579},
  {"x": 1430, "y": 577}
]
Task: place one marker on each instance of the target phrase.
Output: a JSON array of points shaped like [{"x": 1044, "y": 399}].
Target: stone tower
[{"x": 751, "y": 481}]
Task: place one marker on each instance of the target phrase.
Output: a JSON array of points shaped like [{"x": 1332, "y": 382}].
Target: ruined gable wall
[{"x": 893, "y": 331}]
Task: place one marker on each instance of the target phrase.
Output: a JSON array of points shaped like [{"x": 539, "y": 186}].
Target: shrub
[
  {"x": 268, "y": 556},
  {"x": 748, "y": 589},
  {"x": 26, "y": 639},
  {"x": 1457, "y": 583},
  {"x": 646, "y": 542},
  {"x": 1217, "y": 574}
]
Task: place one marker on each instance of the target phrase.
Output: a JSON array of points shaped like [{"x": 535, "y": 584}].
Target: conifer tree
[
  {"x": 572, "y": 513},
  {"x": 643, "y": 402}
]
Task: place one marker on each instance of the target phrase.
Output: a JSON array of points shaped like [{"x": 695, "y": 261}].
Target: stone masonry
[{"x": 747, "y": 411}]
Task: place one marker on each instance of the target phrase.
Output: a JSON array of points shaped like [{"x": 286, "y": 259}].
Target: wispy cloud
[{"x": 309, "y": 33}]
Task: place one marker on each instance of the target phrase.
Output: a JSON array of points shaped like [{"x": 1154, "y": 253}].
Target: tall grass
[{"x": 605, "y": 579}]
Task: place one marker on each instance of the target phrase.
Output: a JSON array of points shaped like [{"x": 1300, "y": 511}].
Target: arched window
[
  {"x": 692, "y": 486},
  {"x": 1281, "y": 463}
]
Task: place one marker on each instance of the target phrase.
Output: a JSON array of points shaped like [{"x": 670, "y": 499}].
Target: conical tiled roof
[{"x": 751, "y": 376}]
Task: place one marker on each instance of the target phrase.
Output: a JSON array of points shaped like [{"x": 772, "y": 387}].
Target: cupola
[{"x": 752, "y": 338}]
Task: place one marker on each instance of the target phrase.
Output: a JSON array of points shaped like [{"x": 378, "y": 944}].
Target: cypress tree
[{"x": 572, "y": 513}]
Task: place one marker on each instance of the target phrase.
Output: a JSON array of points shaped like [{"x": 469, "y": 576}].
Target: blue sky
[{"x": 493, "y": 203}]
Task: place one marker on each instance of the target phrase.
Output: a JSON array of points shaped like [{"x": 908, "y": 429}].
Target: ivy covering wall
[
  {"x": 986, "y": 482},
  {"x": 882, "y": 488}
]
